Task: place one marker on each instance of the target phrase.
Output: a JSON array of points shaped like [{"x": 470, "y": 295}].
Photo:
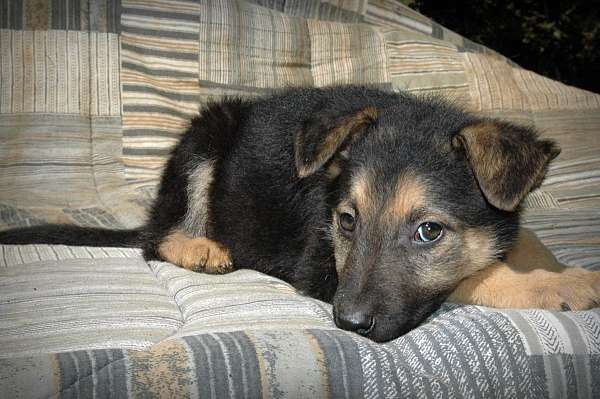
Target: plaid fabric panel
[
  {"x": 260, "y": 301},
  {"x": 497, "y": 84},
  {"x": 64, "y": 168},
  {"x": 12, "y": 216},
  {"x": 567, "y": 345},
  {"x": 91, "y": 297}
]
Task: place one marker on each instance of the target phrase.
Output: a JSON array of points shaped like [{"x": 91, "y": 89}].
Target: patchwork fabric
[
  {"x": 60, "y": 112},
  {"x": 93, "y": 96},
  {"x": 178, "y": 57}
]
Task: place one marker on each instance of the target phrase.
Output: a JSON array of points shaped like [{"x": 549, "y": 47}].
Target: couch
[{"x": 94, "y": 94}]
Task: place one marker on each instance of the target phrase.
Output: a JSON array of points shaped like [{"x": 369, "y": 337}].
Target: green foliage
[{"x": 559, "y": 39}]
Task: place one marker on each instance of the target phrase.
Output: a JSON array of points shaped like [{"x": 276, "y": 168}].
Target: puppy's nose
[{"x": 359, "y": 321}]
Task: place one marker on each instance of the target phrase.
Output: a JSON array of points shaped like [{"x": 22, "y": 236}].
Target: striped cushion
[{"x": 103, "y": 321}]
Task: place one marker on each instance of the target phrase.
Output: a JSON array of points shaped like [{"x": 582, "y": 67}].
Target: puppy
[{"x": 382, "y": 203}]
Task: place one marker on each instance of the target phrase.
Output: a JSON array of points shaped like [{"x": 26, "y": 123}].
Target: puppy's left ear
[
  {"x": 326, "y": 133},
  {"x": 508, "y": 161}
]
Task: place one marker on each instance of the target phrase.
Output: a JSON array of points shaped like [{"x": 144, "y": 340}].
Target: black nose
[{"x": 358, "y": 321}]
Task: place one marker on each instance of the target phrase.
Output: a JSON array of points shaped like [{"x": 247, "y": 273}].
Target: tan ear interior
[
  {"x": 508, "y": 161},
  {"x": 331, "y": 142}
]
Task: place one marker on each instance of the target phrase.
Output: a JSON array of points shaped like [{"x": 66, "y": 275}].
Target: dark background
[{"x": 558, "y": 39}]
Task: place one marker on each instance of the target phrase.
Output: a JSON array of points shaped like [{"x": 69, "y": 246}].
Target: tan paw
[
  {"x": 198, "y": 254},
  {"x": 573, "y": 289}
]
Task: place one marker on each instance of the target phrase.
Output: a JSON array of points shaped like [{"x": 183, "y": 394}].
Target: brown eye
[
  {"x": 428, "y": 231},
  {"x": 347, "y": 222}
]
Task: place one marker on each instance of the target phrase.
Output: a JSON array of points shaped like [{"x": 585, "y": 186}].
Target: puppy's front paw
[
  {"x": 197, "y": 254},
  {"x": 500, "y": 286},
  {"x": 572, "y": 289}
]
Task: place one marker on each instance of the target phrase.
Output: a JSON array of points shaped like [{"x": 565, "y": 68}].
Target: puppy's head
[{"x": 422, "y": 195}]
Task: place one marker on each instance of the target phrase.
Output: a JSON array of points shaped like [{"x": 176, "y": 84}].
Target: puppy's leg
[
  {"x": 531, "y": 277},
  {"x": 197, "y": 254}
]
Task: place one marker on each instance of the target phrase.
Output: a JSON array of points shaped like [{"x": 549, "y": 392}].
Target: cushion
[{"x": 94, "y": 95}]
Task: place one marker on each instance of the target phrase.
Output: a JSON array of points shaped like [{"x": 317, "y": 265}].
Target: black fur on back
[{"x": 209, "y": 136}]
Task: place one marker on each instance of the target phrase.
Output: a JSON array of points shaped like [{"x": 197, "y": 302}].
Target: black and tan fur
[{"x": 329, "y": 189}]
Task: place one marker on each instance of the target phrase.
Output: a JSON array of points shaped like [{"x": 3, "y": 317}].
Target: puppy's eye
[
  {"x": 347, "y": 222},
  {"x": 428, "y": 231}
]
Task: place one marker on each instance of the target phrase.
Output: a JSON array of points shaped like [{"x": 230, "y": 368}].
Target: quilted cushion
[{"x": 102, "y": 321}]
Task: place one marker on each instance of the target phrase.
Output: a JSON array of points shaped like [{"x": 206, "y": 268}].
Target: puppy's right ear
[
  {"x": 327, "y": 133},
  {"x": 507, "y": 160}
]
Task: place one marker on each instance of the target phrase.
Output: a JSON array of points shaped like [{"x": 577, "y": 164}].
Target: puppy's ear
[
  {"x": 327, "y": 133},
  {"x": 508, "y": 161}
]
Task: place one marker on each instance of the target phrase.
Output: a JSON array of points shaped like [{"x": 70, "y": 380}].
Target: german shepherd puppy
[{"x": 382, "y": 203}]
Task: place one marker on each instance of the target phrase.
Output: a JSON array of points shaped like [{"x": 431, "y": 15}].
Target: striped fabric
[
  {"x": 394, "y": 14},
  {"x": 249, "y": 335},
  {"x": 342, "y": 54},
  {"x": 160, "y": 82},
  {"x": 124, "y": 214},
  {"x": 421, "y": 65},
  {"x": 50, "y": 155},
  {"x": 574, "y": 179},
  {"x": 244, "y": 45},
  {"x": 95, "y": 93},
  {"x": 340, "y": 11},
  {"x": 66, "y": 72},
  {"x": 571, "y": 234},
  {"x": 90, "y": 15}
]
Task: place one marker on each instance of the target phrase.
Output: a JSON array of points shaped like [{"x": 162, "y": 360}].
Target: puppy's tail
[{"x": 72, "y": 235}]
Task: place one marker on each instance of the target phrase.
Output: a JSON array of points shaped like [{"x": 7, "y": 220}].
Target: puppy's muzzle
[
  {"x": 354, "y": 315},
  {"x": 358, "y": 320}
]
